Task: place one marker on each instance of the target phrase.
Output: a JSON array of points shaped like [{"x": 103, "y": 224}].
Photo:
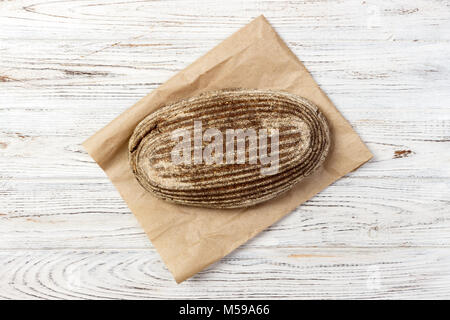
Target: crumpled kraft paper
[{"x": 188, "y": 238}]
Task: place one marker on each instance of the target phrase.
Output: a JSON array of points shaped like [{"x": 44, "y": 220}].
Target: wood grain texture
[
  {"x": 285, "y": 272},
  {"x": 67, "y": 68}
]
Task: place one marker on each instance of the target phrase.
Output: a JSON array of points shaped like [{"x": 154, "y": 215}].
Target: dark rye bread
[{"x": 304, "y": 141}]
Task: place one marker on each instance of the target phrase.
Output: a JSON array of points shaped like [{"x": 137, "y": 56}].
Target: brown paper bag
[{"x": 188, "y": 238}]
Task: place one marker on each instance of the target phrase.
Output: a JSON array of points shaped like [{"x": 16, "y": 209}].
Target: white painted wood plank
[
  {"x": 196, "y": 19},
  {"x": 68, "y": 62},
  {"x": 260, "y": 273},
  {"x": 353, "y": 212}
]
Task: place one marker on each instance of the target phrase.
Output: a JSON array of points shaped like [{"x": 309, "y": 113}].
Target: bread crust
[{"x": 304, "y": 142}]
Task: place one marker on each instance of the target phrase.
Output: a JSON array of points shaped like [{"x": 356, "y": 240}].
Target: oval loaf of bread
[{"x": 294, "y": 123}]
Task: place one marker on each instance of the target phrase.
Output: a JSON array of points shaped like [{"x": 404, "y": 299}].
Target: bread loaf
[{"x": 174, "y": 152}]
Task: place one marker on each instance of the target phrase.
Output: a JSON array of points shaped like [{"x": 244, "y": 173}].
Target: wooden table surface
[{"x": 67, "y": 68}]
